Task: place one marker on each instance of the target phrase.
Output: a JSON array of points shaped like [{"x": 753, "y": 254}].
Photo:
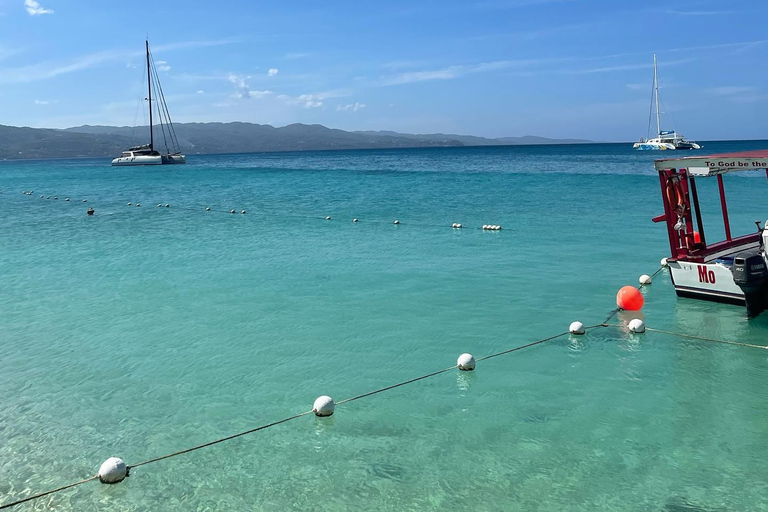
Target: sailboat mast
[
  {"x": 149, "y": 98},
  {"x": 656, "y": 92}
]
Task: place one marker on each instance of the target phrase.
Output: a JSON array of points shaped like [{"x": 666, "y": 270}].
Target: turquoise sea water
[{"x": 142, "y": 331}]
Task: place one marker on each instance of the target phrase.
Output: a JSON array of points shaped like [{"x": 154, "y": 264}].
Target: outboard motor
[{"x": 751, "y": 275}]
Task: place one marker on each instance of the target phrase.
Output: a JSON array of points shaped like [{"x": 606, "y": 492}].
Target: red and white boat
[{"x": 733, "y": 270}]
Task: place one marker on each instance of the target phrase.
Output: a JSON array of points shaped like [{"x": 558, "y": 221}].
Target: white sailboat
[
  {"x": 666, "y": 139},
  {"x": 148, "y": 154}
]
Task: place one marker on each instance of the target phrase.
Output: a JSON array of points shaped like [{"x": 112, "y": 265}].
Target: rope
[
  {"x": 694, "y": 337},
  {"x": 198, "y": 447},
  {"x": 46, "y": 493},
  {"x": 702, "y": 338},
  {"x": 285, "y": 420}
]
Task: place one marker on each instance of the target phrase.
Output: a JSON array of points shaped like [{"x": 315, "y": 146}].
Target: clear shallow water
[{"x": 142, "y": 331}]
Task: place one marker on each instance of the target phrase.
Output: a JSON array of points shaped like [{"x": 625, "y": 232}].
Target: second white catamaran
[{"x": 666, "y": 139}]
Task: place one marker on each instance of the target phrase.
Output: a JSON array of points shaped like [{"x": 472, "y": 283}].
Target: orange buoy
[
  {"x": 696, "y": 237},
  {"x": 630, "y": 298}
]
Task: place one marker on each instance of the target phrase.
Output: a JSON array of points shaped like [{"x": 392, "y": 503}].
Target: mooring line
[
  {"x": 702, "y": 338},
  {"x": 694, "y": 337}
]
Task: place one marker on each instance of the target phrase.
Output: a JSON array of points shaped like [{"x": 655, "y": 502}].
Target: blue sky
[{"x": 555, "y": 68}]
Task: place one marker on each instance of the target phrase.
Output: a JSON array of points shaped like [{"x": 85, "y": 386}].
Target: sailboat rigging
[
  {"x": 666, "y": 139},
  {"x": 147, "y": 154}
]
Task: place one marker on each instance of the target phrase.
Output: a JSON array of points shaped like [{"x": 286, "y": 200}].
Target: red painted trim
[{"x": 724, "y": 207}]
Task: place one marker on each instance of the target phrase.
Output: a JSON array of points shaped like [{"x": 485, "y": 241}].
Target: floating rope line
[
  {"x": 285, "y": 420},
  {"x": 702, "y": 338},
  {"x": 205, "y": 445},
  {"x": 46, "y": 493}
]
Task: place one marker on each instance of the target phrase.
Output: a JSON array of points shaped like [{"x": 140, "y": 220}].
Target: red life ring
[{"x": 675, "y": 196}]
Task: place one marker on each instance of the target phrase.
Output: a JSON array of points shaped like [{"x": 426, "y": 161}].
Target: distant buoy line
[{"x": 243, "y": 211}]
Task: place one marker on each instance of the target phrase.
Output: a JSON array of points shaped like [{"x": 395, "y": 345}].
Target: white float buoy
[
  {"x": 159, "y": 205},
  {"x": 167, "y": 205},
  {"x": 354, "y": 220},
  {"x": 324, "y": 406},
  {"x": 138, "y": 204},
  {"x": 41, "y": 197},
  {"x": 485, "y": 226},
  {"x": 577, "y": 328},
  {"x": 129, "y": 204},
  {"x": 55, "y": 197},
  {"x": 328, "y": 218},
  {"x": 207, "y": 208},
  {"x": 396, "y": 222},
  {"x": 48, "y": 197},
  {"x": 664, "y": 262},
  {"x": 466, "y": 362},
  {"x": 243, "y": 212},
  {"x": 636, "y": 325},
  {"x": 231, "y": 211},
  {"x": 645, "y": 279},
  {"x": 83, "y": 200},
  {"x": 113, "y": 471},
  {"x": 66, "y": 199}
]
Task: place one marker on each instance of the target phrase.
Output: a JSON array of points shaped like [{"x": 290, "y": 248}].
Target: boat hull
[
  {"x": 174, "y": 159},
  {"x": 706, "y": 281},
  {"x": 653, "y": 146},
  {"x": 149, "y": 160},
  {"x": 138, "y": 160}
]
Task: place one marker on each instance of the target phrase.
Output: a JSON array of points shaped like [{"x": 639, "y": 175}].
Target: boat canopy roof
[{"x": 713, "y": 165}]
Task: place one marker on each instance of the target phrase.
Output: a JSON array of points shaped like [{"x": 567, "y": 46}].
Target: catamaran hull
[
  {"x": 174, "y": 159},
  {"x": 138, "y": 160},
  {"x": 645, "y": 146},
  {"x": 150, "y": 160}
]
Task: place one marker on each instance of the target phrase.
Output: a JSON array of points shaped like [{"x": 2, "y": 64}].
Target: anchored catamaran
[
  {"x": 147, "y": 154},
  {"x": 667, "y": 139}
]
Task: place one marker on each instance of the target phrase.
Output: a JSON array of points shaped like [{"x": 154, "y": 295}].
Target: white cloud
[
  {"x": 35, "y": 9},
  {"x": 731, "y": 90},
  {"x": 162, "y": 66},
  {"x": 311, "y": 100},
  {"x": 314, "y": 100},
  {"x": 42, "y": 102},
  {"x": 241, "y": 87},
  {"x": 243, "y": 90},
  {"x": 46, "y": 70},
  {"x": 200, "y": 91},
  {"x": 272, "y": 71},
  {"x": 354, "y": 107}
]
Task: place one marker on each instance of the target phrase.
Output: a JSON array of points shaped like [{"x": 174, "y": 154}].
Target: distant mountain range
[{"x": 210, "y": 138}]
